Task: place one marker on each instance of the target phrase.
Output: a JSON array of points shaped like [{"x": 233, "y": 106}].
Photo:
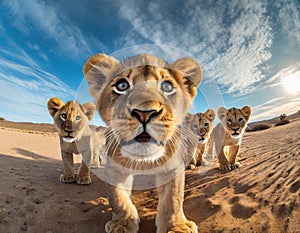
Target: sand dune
[{"x": 262, "y": 196}]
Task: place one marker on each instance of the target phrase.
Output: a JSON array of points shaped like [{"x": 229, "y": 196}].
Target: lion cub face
[
  {"x": 70, "y": 118},
  {"x": 202, "y": 124},
  {"x": 142, "y": 100},
  {"x": 234, "y": 120}
]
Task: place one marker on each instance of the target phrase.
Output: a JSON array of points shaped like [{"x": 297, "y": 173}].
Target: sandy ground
[{"x": 262, "y": 196}]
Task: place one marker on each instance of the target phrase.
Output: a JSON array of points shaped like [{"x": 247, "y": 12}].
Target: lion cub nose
[{"x": 144, "y": 116}]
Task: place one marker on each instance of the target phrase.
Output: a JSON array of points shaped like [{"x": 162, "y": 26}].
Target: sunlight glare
[{"x": 292, "y": 82}]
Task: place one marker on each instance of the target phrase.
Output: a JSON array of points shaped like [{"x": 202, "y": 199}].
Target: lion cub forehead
[
  {"x": 234, "y": 112},
  {"x": 201, "y": 117},
  {"x": 145, "y": 73},
  {"x": 72, "y": 106},
  {"x": 143, "y": 60}
]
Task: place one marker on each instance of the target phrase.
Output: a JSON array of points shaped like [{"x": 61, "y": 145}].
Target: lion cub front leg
[
  {"x": 223, "y": 160},
  {"x": 233, "y": 152},
  {"x": 69, "y": 174},
  {"x": 84, "y": 175},
  {"x": 193, "y": 162},
  {"x": 200, "y": 159},
  {"x": 125, "y": 217},
  {"x": 170, "y": 217}
]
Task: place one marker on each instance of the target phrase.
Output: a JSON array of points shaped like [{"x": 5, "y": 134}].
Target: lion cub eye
[
  {"x": 241, "y": 120},
  {"x": 78, "y": 118},
  {"x": 63, "y": 116},
  {"x": 229, "y": 121},
  {"x": 167, "y": 87},
  {"x": 121, "y": 86},
  {"x": 195, "y": 126},
  {"x": 206, "y": 125}
]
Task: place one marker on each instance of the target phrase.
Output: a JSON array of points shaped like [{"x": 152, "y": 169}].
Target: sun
[{"x": 291, "y": 83}]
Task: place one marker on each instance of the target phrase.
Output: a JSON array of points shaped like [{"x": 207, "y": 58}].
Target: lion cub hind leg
[
  {"x": 96, "y": 162},
  {"x": 96, "y": 158},
  {"x": 69, "y": 175}
]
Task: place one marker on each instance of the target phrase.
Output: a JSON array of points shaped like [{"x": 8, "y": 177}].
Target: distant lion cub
[
  {"x": 201, "y": 125},
  {"x": 227, "y": 135},
  {"x": 71, "y": 120}
]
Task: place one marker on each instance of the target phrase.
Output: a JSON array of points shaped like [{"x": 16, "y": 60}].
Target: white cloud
[
  {"x": 279, "y": 100},
  {"x": 230, "y": 40},
  {"x": 268, "y": 104},
  {"x": 284, "y": 73},
  {"x": 290, "y": 21},
  {"x": 26, "y": 90},
  {"x": 38, "y": 50},
  {"x": 276, "y": 107},
  {"x": 40, "y": 15}
]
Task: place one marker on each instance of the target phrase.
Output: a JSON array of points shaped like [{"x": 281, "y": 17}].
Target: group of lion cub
[{"x": 144, "y": 102}]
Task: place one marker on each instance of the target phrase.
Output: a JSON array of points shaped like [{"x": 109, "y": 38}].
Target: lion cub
[
  {"x": 201, "y": 125},
  {"x": 227, "y": 136},
  {"x": 76, "y": 137}
]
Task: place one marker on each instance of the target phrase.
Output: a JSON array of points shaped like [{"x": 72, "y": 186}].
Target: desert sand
[{"x": 261, "y": 196}]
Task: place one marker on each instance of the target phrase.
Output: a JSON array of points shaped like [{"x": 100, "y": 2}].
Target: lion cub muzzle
[{"x": 144, "y": 117}]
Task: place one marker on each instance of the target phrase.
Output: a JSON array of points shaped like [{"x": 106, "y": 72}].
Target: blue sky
[{"x": 249, "y": 50}]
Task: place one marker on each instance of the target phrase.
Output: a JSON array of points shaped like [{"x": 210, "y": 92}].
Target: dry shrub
[
  {"x": 282, "y": 122},
  {"x": 260, "y": 126},
  {"x": 2, "y": 119}
]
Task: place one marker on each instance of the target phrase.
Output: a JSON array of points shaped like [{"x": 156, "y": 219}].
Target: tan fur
[
  {"x": 226, "y": 137},
  {"x": 76, "y": 137},
  {"x": 153, "y": 106},
  {"x": 201, "y": 124}
]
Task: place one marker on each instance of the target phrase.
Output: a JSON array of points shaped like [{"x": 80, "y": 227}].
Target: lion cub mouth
[
  {"x": 143, "y": 148},
  {"x": 235, "y": 135},
  {"x": 68, "y": 139},
  {"x": 143, "y": 137}
]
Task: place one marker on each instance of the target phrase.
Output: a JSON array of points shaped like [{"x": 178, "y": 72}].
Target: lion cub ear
[
  {"x": 89, "y": 110},
  {"x": 54, "y": 104},
  {"x": 191, "y": 71},
  {"x": 246, "y": 111},
  {"x": 222, "y": 113},
  {"x": 97, "y": 70},
  {"x": 210, "y": 114}
]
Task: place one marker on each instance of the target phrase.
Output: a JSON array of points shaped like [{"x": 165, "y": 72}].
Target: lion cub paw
[
  {"x": 225, "y": 167},
  {"x": 96, "y": 163},
  {"x": 86, "y": 179},
  {"x": 116, "y": 227},
  {"x": 186, "y": 227},
  {"x": 235, "y": 165},
  {"x": 67, "y": 178},
  {"x": 95, "y": 166},
  {"x": 191, "y": 166}
]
